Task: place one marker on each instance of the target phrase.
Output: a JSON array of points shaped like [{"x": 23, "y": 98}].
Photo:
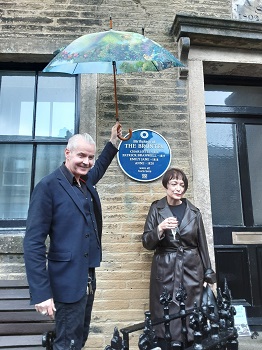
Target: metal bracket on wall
[{"x": 183, "y": 50}]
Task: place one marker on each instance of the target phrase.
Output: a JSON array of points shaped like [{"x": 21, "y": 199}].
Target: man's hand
[
  {"x": 47, "y": 308},
  {"x": 116, "y": 131}
]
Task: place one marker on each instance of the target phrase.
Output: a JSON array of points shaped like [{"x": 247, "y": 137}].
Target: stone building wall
[{"x": 30, "y": 30}]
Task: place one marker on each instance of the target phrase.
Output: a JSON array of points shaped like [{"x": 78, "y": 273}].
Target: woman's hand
[
  {"x": 168, "y": 224},
  {"x": 213, "y": 287}
]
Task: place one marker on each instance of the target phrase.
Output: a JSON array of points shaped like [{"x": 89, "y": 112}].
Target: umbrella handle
[{"x": 128, "y": 136}]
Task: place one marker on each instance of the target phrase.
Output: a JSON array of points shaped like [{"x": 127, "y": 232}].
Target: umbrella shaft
[{"x": 116, "y": 104}]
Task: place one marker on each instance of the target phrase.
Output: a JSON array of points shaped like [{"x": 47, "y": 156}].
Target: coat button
[{"x": 86, "y": 255}]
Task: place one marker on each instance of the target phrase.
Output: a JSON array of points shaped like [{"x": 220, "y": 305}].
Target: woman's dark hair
[{"x": 174, "y": 173}]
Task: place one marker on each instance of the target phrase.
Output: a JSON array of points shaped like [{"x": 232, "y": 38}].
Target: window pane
[
  {"x": 224, "y": 174},
  {"x": 48, "y": 158},
  {"x": 238, "y": 96},
  {"x": 15, "y": 179},
  {"x": 16, "y": 104},
  {"x": 55, "y": 113},
  {"x": 254, "y": 148},
  {"x": 39, "y": 109}
]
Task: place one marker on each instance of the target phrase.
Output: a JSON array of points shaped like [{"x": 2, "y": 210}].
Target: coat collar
[
  {"x": 69, "y": 188},
  {"x": 165, "y": 211},
  {"x": 162, "y": 203},
  {"x": 70, "y": 177}
]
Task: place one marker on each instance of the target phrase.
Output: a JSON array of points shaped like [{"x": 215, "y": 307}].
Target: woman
[{"x": 175, "y": 230}]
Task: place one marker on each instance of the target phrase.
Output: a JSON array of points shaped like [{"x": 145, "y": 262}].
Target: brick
[{"x": 78, "y": 22}]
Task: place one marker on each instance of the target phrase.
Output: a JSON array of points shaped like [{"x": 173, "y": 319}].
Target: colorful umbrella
[{"x": 112, "y": 51}]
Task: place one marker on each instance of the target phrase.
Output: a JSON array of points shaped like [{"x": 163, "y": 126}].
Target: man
[{"x": 66, "y": 207}]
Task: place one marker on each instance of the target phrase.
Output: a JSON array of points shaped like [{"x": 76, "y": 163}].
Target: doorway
[{"x": 234, "y": 129}]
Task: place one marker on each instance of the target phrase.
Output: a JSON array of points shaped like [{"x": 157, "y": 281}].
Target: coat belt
[
  {"x": 161, "y": 250},
  {"x": 179, "y": 266}
]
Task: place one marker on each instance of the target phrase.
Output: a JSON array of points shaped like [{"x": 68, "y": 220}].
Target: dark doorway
[{"x": 234, "y": 129}]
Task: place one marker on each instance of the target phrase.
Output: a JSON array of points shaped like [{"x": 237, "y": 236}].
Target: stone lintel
[{"x": 209, "y": 31}]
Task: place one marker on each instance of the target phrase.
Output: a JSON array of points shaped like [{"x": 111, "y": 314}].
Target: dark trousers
[{"x": 73, "y": 322}]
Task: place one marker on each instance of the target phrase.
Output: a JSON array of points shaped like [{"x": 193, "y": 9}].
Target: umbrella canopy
[
  {"x": 95, "y": 52},
  {"x": 112, "y": 52}
]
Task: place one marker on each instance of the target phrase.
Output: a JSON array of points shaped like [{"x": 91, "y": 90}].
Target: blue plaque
[{"x": 145, "y": 156}]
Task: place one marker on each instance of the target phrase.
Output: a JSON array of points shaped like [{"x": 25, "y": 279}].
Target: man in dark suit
[{"x": 65, "y": 207}]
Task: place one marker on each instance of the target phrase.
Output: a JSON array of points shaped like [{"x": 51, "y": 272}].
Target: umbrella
[{"x": 112, "y": 52}]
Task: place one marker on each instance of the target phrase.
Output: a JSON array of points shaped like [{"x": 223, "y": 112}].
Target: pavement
[{"x": 248, "y": 343}]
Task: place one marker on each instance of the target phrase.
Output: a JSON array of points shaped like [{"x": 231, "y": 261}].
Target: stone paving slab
[{"x": 247, "y": 343}]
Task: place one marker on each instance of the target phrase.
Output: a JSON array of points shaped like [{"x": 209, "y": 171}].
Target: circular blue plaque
[{"x": 145, "y": 156}]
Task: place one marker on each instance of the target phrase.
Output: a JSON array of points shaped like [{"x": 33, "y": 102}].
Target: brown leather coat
[{"x": 181, "y": 259}]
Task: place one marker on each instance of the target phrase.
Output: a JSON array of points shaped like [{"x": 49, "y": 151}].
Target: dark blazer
[{"x": 56, "y": 211}]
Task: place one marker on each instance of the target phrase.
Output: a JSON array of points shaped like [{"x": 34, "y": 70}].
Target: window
[
  {"x": 234, "y": 127},
  {"x": 224, "y": 174},
  {"x": 37, "y": 116}
]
